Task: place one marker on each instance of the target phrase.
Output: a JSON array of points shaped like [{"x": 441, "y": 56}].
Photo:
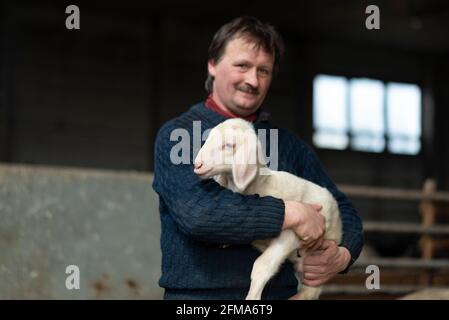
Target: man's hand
[
  {"x": 323, "y": 264},
  {"x": 306, "y": 221}
]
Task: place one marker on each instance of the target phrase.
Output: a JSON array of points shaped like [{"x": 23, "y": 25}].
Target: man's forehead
[{"x": 247, "y": 43}]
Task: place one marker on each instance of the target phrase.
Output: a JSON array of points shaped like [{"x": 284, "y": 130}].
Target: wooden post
[{"x": 428, "y": 213}]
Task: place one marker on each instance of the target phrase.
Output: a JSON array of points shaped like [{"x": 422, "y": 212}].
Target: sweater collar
[
  {"x": 215, "y": 118},
  {"x": 211, "y": 104}
]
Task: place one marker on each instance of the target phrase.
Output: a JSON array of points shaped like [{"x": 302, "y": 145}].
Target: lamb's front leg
[
  {"x": 269, "y": 262},
  {"x": 304, "y": 292}
]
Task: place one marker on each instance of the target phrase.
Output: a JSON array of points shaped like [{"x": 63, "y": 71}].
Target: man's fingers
[
  {"x": 313, "y": 283},
  {"x": 317, "y": 245},
  {"x": 312, "y": 276},
  {"x": 327, "y": 243},
  {"x": 313, "y": 269},
  {"x": 306, "y": 244},
  {"x": 318, "y": 250},
  {"x": 316, "y": 253},
  {"x": 314, "y": 260}
]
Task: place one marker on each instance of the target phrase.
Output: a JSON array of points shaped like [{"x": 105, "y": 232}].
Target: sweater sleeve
[
  {"x": 206, "y": 211},
  {"x": 353, "y": 237}
]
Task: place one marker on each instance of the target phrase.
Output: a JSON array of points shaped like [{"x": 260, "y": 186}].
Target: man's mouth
[
  {"x": 248, "y": 90},
  {"x": 249, "y": 93}
]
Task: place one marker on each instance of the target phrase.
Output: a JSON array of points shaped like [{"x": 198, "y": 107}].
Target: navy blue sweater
[{"x": 199, "y": 216}]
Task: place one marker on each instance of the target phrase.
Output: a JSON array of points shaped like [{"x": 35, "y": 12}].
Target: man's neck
[
  {"x": 212, "y": 104},
  {"x": 220, "y": 105}
]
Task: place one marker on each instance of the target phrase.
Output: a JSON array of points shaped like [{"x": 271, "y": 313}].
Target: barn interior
[{"x": 80, "y": 110}]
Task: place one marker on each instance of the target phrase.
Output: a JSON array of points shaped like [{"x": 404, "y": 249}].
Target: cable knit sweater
[{"x": 198, "y": 217}]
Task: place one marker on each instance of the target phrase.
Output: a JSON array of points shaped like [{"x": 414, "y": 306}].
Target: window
[{"x": 366, "y": 115}]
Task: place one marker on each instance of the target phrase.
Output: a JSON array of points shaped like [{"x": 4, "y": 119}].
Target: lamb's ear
[{"x": 244, "y": 166}]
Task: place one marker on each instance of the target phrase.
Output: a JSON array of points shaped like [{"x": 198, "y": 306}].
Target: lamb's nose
[{"x": 198, "y": 164}]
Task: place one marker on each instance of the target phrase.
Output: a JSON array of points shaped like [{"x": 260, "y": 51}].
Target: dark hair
[{"x": 262, "y": 34}]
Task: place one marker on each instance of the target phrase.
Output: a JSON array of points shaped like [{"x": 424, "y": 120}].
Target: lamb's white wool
[{"x": 232, "y": 156}]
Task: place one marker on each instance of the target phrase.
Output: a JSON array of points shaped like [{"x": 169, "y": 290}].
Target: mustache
[{"x": 248, "y": 89}]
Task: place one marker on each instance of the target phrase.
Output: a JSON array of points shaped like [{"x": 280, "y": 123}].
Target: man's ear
[
  {"x": 211, "y": 68},
  {"x": 244, "y": 166}
]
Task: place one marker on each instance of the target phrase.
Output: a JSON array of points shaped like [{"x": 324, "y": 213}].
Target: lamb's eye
[{"x": 229, "y": 145}]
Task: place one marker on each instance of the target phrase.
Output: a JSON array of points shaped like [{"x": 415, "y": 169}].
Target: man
[{"x": 207, "y": 229}]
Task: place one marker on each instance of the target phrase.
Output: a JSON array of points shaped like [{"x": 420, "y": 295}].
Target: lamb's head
[{"x": 231, "y": 150}]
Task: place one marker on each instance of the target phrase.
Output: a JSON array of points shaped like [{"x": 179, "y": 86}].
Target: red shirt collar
[{"x": 211, "y": 104}]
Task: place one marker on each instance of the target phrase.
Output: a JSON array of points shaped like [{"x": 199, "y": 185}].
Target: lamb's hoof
[
  {"x": 296, "y": 297},
  {"x": 306, "y": 295}
]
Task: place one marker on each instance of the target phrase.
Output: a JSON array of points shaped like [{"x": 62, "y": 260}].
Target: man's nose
[{"x": 252, "y": 79}]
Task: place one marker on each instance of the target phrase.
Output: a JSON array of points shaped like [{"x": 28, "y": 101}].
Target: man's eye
[
  {"x": 242, "y": 66},
  {"x": 264, "y": 72}
]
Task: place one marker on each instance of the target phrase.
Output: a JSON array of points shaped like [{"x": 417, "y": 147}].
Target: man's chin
[{"x": 245, "y": 109}]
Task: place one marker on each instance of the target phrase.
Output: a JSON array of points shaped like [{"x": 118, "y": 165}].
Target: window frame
[{"x": 349, "y": 132}]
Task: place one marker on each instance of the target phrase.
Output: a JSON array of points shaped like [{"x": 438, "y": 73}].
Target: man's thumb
[{"x": 317, "y": 206}]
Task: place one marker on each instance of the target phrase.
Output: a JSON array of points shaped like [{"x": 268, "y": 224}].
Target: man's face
[{"x": 241, "y": 77}]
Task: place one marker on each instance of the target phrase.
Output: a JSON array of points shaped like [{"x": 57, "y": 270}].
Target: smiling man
[
  {"x": 207, "y": 229},
  {"x": 242, "y": 76}
]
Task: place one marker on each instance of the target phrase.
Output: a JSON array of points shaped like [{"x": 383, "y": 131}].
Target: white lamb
[{"x": 231, "y": 155}]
